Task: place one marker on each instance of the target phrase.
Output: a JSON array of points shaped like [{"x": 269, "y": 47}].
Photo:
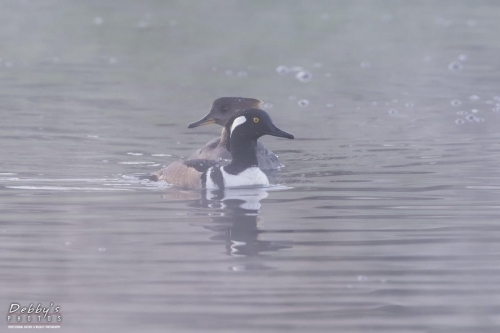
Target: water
[{"x": 385, "y": 218}]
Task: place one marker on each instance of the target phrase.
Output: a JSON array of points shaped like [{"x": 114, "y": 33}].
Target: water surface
[{"x": 385, "y": 218}]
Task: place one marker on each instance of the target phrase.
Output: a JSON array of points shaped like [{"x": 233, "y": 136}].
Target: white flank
[
  {"x": 210, "y": 185},
  {"x": 248, "y": 177},
  {"x": 237, "y": 122}
]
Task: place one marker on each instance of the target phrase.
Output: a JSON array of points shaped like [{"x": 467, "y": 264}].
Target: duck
[
  {"x": 222, "y": 109},
  {"x": 243, "y": 128}
]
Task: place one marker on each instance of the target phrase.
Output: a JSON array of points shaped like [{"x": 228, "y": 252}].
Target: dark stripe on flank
[
  {"x": 204, "y": 179},
  {"x": 217, "y": 178}
]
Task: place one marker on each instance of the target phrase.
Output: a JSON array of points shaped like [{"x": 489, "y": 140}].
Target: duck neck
[
  {"x": 243, "y": 154},
  {"x": 224, "y": 137}
]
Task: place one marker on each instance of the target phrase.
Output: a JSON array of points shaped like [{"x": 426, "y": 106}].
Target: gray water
[{"x": 385, "y": 218}]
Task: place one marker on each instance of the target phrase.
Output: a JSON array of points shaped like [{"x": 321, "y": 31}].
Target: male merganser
[{"x": 222, "y": 109}]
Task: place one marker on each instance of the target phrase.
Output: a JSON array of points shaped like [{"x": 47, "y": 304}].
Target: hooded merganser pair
[{"x": 239, "y": 137}]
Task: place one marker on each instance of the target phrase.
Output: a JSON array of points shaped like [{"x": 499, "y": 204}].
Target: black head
[
  {"x": 251, "y": 124},
  {"x": 223, "y": 108}
]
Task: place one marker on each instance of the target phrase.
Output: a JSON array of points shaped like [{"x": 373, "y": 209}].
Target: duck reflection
[{"x": 235, "y": 216}]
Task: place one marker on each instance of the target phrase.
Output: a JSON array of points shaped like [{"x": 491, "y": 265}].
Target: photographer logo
[{"x": 34, "y": 316}]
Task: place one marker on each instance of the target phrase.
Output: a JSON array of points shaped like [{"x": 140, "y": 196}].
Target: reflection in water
[{"x": 235, "y": 213}]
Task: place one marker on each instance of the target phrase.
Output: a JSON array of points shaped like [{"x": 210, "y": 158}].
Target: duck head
[
  {"x": 250, "y": 124},
  {"x": 223, "y": 108}
]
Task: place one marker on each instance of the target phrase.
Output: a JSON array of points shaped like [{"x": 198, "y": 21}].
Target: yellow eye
[{"x": 256, "y": 120}]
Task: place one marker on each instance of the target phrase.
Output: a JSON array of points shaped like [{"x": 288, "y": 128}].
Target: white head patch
[{"x": 237, "y": 122}]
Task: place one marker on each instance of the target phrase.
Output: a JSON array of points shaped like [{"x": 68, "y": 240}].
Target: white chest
[{"x": 248, "y": 177}]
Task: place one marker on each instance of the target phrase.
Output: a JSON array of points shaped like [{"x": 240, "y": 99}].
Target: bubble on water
[
  {"x": 142, "y": 24},
  {"x": 455, "y": 66},
  {"x": 497, "y": 98},
  {"x": 328, "y": 74},
  {"x": 325, "y": 16},
  {"x": 228, "y": 72},
  {"x": 459, "y": 121},
  {"x": 282, "y": 70},
  {"x": 330, "y": 105},
  {"x": 409, "y": 105},
  {"x": 214, "y": 69},
  {"x": 67, "y": 243},
  {"x": 101, "y": 249},
  {"x": 374, "y": 103},
  {"x": 474, "y": 110},
  {"x": 8, "y": 64},
  {"x": 112, "y": 61},
  {"x": 497, "y": 109},
  {"x": 393, "y": 112},
  {"x": 362, "y": 278},
  {"x": 134, "y": 154},
  {"x": 470, "y": 118},
  {"x": 303, "y": 103},
  {"x": 267, "y": 105},
  {"x": 173, "y": 23},
  {"x": 242, "y": 74},
  {"x": 463, "y": 57},
  {"x": 304, "y": 76},
  {"x": 318, "y": 65},
  {"x": 365, "y": 64},
  {"x": 427, "y": 59},
  {"x": 455, "y": 102},
  {"x": 98, "y": 20},
  {"x": 292, "y": 97},
  {"x": 471, "y": 23},
  {"x": 474, "y": 97},
  {"x": 479, "y": 120},
  {"x": 462, "y": 113}
]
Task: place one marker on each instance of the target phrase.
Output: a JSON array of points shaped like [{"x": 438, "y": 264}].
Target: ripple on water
[
  {"x": 282, "y": 70},
  {"x": 304, "y": 76},
  {"x": 303, "y": 103},
  {"x": 455, "y": 66}
]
